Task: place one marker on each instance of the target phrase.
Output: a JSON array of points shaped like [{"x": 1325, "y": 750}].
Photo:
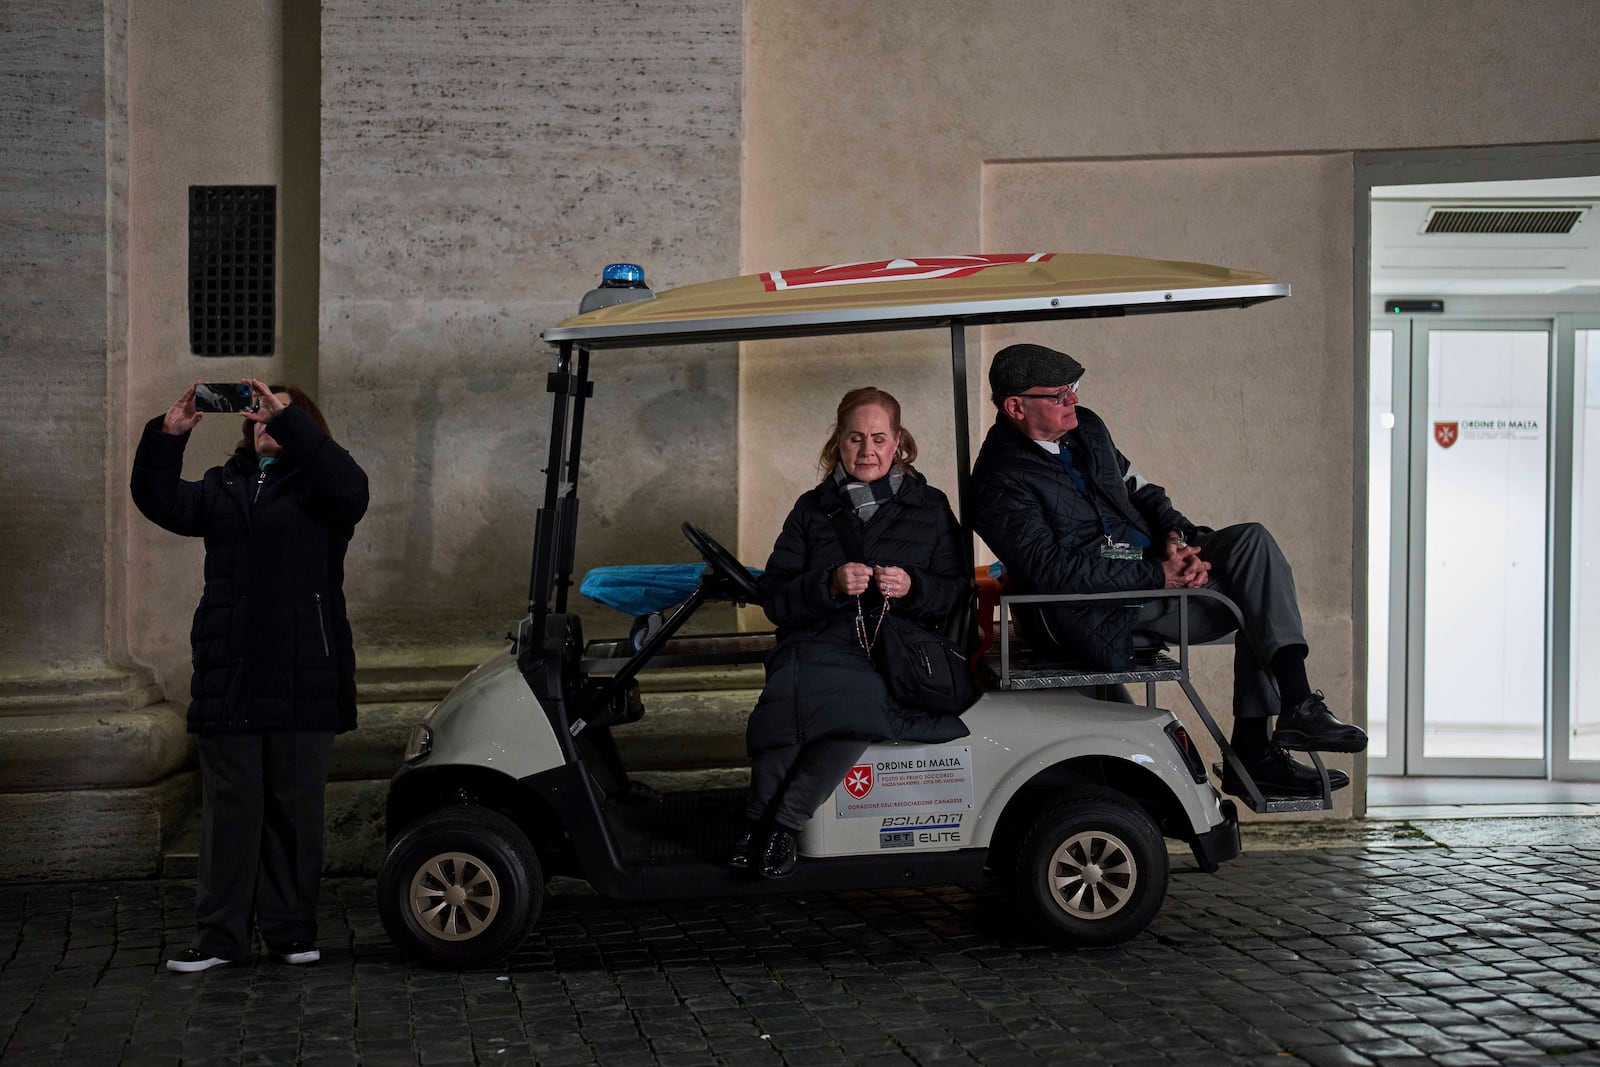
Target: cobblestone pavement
[{"x": 1409, "y": 951}]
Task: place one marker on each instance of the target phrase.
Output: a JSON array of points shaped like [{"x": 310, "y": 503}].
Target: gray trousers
[
  {"x": 1247, "y": 567},
  {"x": 787, "y": 784},
  {"x": 261, "y": 812}
]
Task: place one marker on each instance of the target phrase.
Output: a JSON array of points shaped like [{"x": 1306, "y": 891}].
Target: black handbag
[{"x": 921, "y": 669}]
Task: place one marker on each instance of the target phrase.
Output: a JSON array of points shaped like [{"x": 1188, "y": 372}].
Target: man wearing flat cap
[{"x": 1066, "y": 512}]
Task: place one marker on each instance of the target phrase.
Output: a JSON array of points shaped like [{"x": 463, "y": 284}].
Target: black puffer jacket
[
  {"x": 270, "y": 642},
  {"x": 820, "y": 682},
  {"x": 1049, "y": 534}
]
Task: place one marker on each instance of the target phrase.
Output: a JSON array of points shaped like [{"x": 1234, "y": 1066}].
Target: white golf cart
[{"x": 1063, "y": 795}]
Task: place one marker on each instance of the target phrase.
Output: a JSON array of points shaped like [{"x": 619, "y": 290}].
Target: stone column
[{"x": 87, "y": 750}]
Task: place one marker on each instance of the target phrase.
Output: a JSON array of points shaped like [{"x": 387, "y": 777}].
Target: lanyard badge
[{"x": 1119, "y": 550}]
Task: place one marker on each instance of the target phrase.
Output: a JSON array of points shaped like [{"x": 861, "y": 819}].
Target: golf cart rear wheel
[
  {"x": 461, "y": 887},
  {"x": 1093, "y": 871}
]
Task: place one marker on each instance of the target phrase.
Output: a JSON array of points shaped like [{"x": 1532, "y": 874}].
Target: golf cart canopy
[
  {"x": 944, "y": 292},
  {"x": 908, "y": 294}
]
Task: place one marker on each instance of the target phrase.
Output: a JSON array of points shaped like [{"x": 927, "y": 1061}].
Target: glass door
[
  {"x": 1477, "y": 623},
  {"x": 1483, "y": 651}
]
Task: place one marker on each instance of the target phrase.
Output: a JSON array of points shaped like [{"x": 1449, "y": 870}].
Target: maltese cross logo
[
  {"x": 1446, "y": 433},
  {"x": 858, "y": 783},
  {"x": 924, "y": 269}
]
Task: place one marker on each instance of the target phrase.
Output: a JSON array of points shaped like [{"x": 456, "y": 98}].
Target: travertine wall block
[
  {"x": 481, "y": 163},
  {"x": 53, "y": 294}
]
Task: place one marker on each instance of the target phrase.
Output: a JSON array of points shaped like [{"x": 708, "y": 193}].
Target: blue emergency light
[
  {"x": 620, "y": 283},
  {"x": 622, "y": 276}
]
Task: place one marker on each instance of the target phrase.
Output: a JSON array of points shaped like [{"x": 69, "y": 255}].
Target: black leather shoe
[
  {"x": 1278, "y": 774},
  {"x": 1310, "y": 726},
  {"x": 744, "y": 849},
  {"x": 779, "y": 857}
]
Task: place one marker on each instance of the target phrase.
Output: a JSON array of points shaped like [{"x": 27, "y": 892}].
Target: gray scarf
[{"x": 864, "y": 498}]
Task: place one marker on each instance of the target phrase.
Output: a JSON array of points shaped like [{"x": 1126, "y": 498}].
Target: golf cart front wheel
[
  {"x": 1093, "y": 871},
  {"x": 461, "y": 887}
]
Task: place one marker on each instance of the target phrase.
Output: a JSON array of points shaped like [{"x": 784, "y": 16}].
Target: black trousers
[
  {"x": 1247, "y": 567},
  {"x": 261, "y": 826},
  {"x": 787, "y": 784}
]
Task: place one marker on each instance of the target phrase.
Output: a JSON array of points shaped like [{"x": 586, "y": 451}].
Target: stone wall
[
  {"x": 52, "y": 337},
  {"x": 205, "y": 107},
  {"x": 481, "y": 163},
  {"x": 1210, "y": 130},
  {"x": 451, "y": 180},
  {"x": 82, "y": 740}
]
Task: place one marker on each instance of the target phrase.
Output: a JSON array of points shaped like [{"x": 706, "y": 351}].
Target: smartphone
[{"x": 224, "y": 396}]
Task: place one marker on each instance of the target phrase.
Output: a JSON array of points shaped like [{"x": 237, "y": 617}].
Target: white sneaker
[
  {"x": 189, "y": 961},
  {"x": 300, "y": 952}
]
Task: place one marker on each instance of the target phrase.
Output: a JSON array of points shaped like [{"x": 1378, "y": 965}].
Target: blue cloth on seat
[{"x": 639, "y": 589}]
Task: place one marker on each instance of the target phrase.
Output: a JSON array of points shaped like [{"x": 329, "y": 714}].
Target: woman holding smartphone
[{"x": 274, "y": 663}]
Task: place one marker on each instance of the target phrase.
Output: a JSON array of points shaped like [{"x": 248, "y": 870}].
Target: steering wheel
[{"x": 729, "y": 570}]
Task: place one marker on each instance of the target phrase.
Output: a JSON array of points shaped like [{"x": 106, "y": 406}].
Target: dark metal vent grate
[
  {"x": 1504, "y": 220},
  {"x": 232, "y": 244}
]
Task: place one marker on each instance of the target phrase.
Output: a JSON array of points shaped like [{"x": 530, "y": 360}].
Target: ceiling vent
[{"x": 1504, "y": 219}]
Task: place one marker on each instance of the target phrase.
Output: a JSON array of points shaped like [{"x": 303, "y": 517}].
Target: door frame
[
  {"x": 1394, "y": 760},
  {"x": 1428, "y": 166},
  {"x": 1568, "y": 387}
]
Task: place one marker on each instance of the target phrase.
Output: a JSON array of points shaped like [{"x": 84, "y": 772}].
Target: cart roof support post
[{"x": 958, "y": 389}]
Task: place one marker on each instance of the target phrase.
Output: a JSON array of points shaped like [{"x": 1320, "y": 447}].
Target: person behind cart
[
  {"x": 1066, "y": 512},
  {"x": 274, "y": 663},
  {"x": 825, "y": 700}
]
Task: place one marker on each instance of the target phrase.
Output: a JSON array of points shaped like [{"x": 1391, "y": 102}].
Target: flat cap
[{"x": 1019, "y": 368}]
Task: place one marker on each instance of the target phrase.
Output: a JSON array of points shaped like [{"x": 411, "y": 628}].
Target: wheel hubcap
[
  {"x": 1093, "y": 875},
  {"x": 454, "y": 896}
]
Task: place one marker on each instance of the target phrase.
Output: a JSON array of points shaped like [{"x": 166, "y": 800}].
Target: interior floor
[{"x": 1477, "y": 798}]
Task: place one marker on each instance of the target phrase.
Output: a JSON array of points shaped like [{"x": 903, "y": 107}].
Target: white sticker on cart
[{"x": 907, "y": 781}]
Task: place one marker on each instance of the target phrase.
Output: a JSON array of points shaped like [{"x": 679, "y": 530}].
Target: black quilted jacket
[
  {"x": 820, "y": 682},
  {"x": 270, "y": 642},
  {"x": 1049, "y": 535}
]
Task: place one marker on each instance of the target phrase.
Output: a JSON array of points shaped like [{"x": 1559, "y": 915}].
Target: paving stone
[
  {"x": 1556, "y": 1043},
  {"x": 1469, "y": 1058},
  {"x": 1337, "y": 956},
  {"x": 1474, "y": 1032}
]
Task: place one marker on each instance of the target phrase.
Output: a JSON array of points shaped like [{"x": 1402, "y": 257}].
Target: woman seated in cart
[{"x": 874, "y": 538}]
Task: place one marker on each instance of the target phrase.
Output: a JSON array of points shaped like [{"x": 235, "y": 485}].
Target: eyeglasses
[{"x": 1059, "y": 399}]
